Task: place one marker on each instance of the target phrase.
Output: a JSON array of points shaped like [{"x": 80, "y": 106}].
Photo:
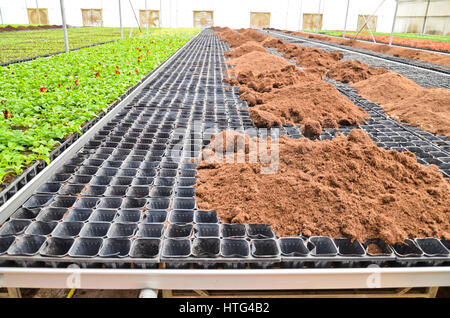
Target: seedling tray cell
[
  {"x": 201, "y": 216},
  {"x": 176, "y": 248},
  {"x": 155, "y": 216},
  {"x": 348, "y": 248},
  {"x": 51, "y": 214},
  {"x": 56, "y": 247},
  {"x": 206, "y": 247},
  {"x": 178, "y": 231},
  {"x": 25, "y": 214},
  {"x": 233, "y": 230},
  {"x": 67, "y": 229},
  {"x": 259, "y": 231},
  {"x": 181, "y": 216},
  {"x": 161, "y": 191},
  {"x": 28, "y": 245},
  {"x": 407, "y": 249},
  {"x": 122, "y": 230},
  {"x": 432, "y": 247},
  {"x": 72, "y": 189},
  {"x": 5, "y": 243},
  {"x": 150, "y": 230},
  {"x": 40, "y": 228},
  {"x": 49, "y": 188},
  {"x": 85, "y": 247},
  {"x": 128, "y": 216},
  {"x": 322, "y": 246},
  {"x": 115, "y": 247},
  {"x": 145, "y": 248},
  {"x": 95, "y": 229},
  {"x": 37, "y": 201},
  {"x": 206, "y": 230}
]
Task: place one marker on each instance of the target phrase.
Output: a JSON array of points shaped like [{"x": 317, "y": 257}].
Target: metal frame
[
  {"x": 11, "y": 293},
  {"x": 222, "y": 279},
  {"x": 429, "y": 292},
  {"x": 63, "y": 18}
]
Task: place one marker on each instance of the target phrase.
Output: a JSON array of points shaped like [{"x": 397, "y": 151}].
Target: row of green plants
[
  {"x": 46, "y": 100},
  {"x": 26, "y": 44}
]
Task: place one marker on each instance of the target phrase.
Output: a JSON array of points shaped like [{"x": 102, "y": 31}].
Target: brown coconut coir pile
[
  {"x": 404, "y": 100},
  {"x": 324, "y": 62},
  {"x": 352, "y": 71},
  {"x": 290, "y": 95},
  {"x": 345, "y": 187},
  {"x": 245, "y": 48},
  {"x": 256, "y": 62}
]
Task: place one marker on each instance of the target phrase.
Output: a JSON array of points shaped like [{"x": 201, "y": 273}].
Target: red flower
[
  {"x": 137, "y": 71},
  {"x": 7, "y": 114},
  {"x": 1, "y": 102},
  {"x": 43, "y": 89},
  {"x": 117, "y": 72},
  {"x": 129, "y": 73},
  {"x": 139, "y": 61},
  {"x": 76, "y": 83},
  {"x": 97, "y": 74},
  {"x": 117, "y": 67},
  {"x": 59, "y": 85}
]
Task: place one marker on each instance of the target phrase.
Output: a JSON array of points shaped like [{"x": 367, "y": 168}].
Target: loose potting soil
[
  {"x": 257, "y": 62},
  {"x": 404, "y": 100},
  {"x": 352, "y": 71},
  {"x": 289, "y": 95},
  {"x": 345, "y": 187}
]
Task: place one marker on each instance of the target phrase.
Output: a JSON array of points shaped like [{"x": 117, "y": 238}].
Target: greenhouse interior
[{"x": 225, "y": 149}]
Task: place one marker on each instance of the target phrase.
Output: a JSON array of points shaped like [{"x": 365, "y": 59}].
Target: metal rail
[
  {"x": 221, "y": 279},
  {"x": 316, "y": 42},
  {"x": 24, "y": 193}
]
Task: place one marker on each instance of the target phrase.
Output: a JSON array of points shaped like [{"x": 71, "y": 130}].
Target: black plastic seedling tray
[{"x": 125, "y": 200}]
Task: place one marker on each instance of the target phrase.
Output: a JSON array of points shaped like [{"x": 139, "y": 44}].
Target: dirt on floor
[
  {"x": 404, "y": 100},
  {"x": 430, "y": 57},
  {"x": 79, "y": 293},
  {"x": 345, "y": 187}
]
